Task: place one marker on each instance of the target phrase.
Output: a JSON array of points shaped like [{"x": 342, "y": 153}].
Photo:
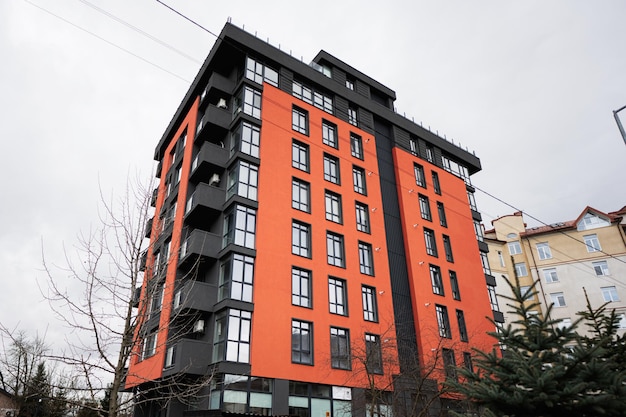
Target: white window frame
[
  {"x": 543, "y": 250},
  {"x": 558, "y": 299},
  {"x": 602, "y": 267},
  {"x": 550, "y": 275},
  {"x": 515, "y": 248},
  {"x": 592, "y": 243}
]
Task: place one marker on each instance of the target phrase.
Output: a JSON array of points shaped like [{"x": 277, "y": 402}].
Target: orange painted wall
[
  {"x": 467, "y": 264},
  {"x": 273, "y": 311},
  {"x": 151, "y": 368}
]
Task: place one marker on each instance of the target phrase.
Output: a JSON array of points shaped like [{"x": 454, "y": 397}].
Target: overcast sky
[{"x": 87, "y": 88}]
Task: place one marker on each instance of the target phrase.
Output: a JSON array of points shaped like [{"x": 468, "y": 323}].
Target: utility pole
[{"x": 619, "y": 123}]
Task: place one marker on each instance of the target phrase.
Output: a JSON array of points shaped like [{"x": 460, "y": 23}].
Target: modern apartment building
[
  {"x": 308, "y": 245},
  {"x": 568, "y": 259}
]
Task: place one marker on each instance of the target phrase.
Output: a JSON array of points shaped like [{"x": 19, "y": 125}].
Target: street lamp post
[{"x": 619, "y": 123}]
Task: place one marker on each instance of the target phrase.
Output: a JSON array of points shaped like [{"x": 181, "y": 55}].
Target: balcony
[
  {"x": 214, "y": 124},
  {"x": 204, "y": 204},
  {"x": 148, "y": 230},
  {"x": 143, "y": 258},
  {"x": 195, "y": 295},
  {"x": 153, "y": 199},
  {"x": 199, "y": 246},
  {"x": 211, "y": 159},
  {"x": 218, "y": 87},
  {"x": 190, "y": 357}
]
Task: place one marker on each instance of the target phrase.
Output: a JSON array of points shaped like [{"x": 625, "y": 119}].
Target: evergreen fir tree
[
  {"x": 36, "y": 395},
  {"x": 546, "y": 369}
]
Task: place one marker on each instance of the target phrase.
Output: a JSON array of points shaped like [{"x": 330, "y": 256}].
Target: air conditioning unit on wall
[
  {"x": 198, "y": 326},
  {"x": 215, "y": 179}
]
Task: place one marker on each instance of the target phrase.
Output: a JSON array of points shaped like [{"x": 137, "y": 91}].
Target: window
[
  {"x": 366, "y": 261},
  {"x": 373, "y": 354},
  {"x": 515, "y": 248},
  {"x": 501, "y": 258},
  {"x": 436, "y": 280},
  {"x": 249, "y": 101},
  {"x": 447, "y": 246},
  {"x": 441, "y": 211},
  {"x": 356, "y": 145},
  {"x": 300, "y": 195},
  {"x": 301, "y": 287},
  {"x": 301, "y": 239},
  {"x": 493, "y": 299},
  {"x": 353, "y": 117},
  {"x": 331, "y": 169},
  {"x": 592, "y": 242},
  {"x": 335, "y": 250},
  {"x": 258, "y": 73},
  {"x": 239, "y": 227},
  {"x": 350, "y": 83},
  {"x": 525, "y": 292},
  {"x": 170, "y": 355},
  {"x": 316, "y": 98},
  {"x": 425, "y": 207},
  {"x": 300, "y": 120},
  {"x": 543, "y": 249},
  {"x": 520, "y": 269},
  {"x": 430, "y": 153},
  {"x": 558, "y": 299},
  {"x": 340, "y": 348},
  {"x": 370, "y": 308},
  {"x": 550, "y": 275},
  {"x": 467, "y": 361},
  {"x": 300, "y": 156},
  {"x": 610, "y": 294},
  {"x": 436, "y": 184},
  {"x": 232, "y": 336},
  {"x": 478, "y": 230},
  {"x": 362, "y": 217},
  {"x": 420, "y": 179},
  {"x": 591, "y": 221},
  {"x": 454, "y": 285},
  {"x": 236, "y": 278},
  {"x": 431, "y": 245},
  {"x": 247, "y": 139},
  {"x": 329, "y": 134},
  {"x": 149, "y": 346},
  {"x": 333, "y": 207},
  {"x": 601, "y": 267},
  {"x": 358, "y": 177},
  {"x": 449, "y": 363},
  {"x": 243, "y": 180},
  {"x": 485, "y": 261},
  {"x": 337, "y": 299},
  {"x": 460, "y": 318},
  {"x": 472, "y": 201},
  {"x": 443, "y": 321},
  {"x": 301, "y": 342}
]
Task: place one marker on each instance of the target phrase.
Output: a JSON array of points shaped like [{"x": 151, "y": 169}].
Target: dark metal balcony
[
  {"x": 210, "y": 160},
  {"x": 155, "y": 194},
  {"x": 204, "y": 204},
  {"x": 200, "y": 245},
  {"x": 143, "y": 260},
  {"x": 148, "y": 230},
  {"x": 218, "y": 87},
  {"x": 190, "y": 357},
  {"x": 214, "y": 124},
  {"x": 195, "y": 295}
]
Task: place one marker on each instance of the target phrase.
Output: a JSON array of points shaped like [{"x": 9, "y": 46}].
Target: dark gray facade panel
[
  {"x": 401, "y": 138},
  {"x": 366, "y": 120},
  {"x": 285, "y": 80},
  {"x": 341, "y": 108},
  {"x": 280, "y": 397},
  {"x": 339, "y": 76},
  {"x": 402, "y": 305},
  {"x": 362, "y": 88}
]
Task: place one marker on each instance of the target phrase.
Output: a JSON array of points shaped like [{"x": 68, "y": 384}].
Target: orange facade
[
  {"x": 473, "y": 299},
  {"x": 151, "y": 368},
  {"x": 273, "y": 309}
]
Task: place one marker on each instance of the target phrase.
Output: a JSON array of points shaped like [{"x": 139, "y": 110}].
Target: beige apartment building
[{"x": 568, "y": 259}]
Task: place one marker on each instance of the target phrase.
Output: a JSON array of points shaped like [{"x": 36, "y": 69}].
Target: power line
[
  {"x": 108, "y": 42},
  {"x": 140, "y": 31}
]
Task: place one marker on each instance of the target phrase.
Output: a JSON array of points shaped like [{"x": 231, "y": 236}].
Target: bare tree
[{"x": 95, "y": 294}]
